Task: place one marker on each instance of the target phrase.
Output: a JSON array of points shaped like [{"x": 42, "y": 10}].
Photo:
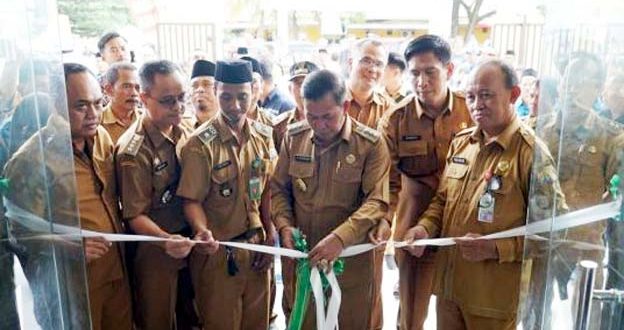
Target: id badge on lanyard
[
  {"x": 255, "y": 186},
  {"x": 487, "y": 201}
]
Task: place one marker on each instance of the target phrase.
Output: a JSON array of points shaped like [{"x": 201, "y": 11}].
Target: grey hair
[
  {"x": 150, "y": 69},
  {"x": 112, "y": 74},
  {"x": 509, "y": 74}
]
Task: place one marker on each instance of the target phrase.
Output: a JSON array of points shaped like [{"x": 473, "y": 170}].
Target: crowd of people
[{"x": 224, "y": 154}]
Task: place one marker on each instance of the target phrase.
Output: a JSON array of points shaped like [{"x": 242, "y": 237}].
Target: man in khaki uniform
[
  {"x": 418, "y": 134},
  {"x": 95, "y": 195},
  {"x": 281, "y": 122},
  {"x": 203, "y": 97},
  {"x": 122, "y": 87},
  {"x": 589, "y": 150},
  {"x": 226, "y": 166},
  {"x": 367, "y": 105},
  {"x": 485, "y": 189},
  {"x": 393, "y": 87},
  {"x": 148, "y": 172},
  {"x": 331, "y": 183},
  {"x": 298, "y": 72},
  {"x": 256, "y": 112}
]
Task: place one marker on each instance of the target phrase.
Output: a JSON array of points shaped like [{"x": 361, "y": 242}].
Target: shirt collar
[
  {"x": 449, "y": 104},
  {"x": 108, "y": 116},
  {"x": 504, "y": 138},
  {"x": 345, "y": 132},
  {"x": 157, "y": 137},
  {"x": 376, "y": 98},
  {"x": 224, "y": 130}
]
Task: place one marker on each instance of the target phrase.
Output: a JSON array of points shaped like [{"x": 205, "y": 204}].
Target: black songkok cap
[
  {"x": 203, "y": 68},
  {"x": 233, "y": 72},
  {"x": 255, "y": 65}
]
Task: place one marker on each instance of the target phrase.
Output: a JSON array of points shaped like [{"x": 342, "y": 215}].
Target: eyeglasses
[
  {"x": 170, "y": 101},
  {"x": 369, "y": 62}
]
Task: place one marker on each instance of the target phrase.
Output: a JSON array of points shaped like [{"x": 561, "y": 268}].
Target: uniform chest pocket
[
  {"x": 412, "y": 148},
  {"x": 456, "y": 171},
  {"x": 590, "y": 158},
  {"x": 348, "y": 174},
  {"x": 590, "y": 179},
  {"x": 298, "y": 169},
  {"x": 415, "y": 159},
  {"x": 224, "y": 182}
]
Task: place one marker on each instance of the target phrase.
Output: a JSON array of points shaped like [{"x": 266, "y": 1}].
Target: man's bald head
[{"x": 492, "y": 90}]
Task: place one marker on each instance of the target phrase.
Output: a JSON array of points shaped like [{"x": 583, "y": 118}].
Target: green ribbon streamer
[
  {"x": 614, "y": 190},
  {"x": 302, "y": 293},
  {"x": 304, "y": 288},
  {"x": 4, "y": 186}
]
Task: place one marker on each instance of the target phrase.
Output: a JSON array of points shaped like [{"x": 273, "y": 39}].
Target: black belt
[{"x": 232, "y": 267}]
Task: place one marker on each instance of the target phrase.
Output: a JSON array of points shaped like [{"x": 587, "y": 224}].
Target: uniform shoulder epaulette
[
  {"x": 298, "y": 127},
  {"x": 367, "y": 132},
  {"x": 263, "y": 129},
  {"x": 133, "y": 146},
  {"x": 527, "y": 133},
  {"x": 207, "y": 134},
  {"x": 466, "y": 131},
  {"x": 276, "y": 120},
  {"x": 404, "y": 102}
]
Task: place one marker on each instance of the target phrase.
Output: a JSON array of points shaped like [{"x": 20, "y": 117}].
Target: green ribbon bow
[{"x": 304, "y": 288}]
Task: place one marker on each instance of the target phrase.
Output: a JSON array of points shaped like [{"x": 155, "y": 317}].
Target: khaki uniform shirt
[
  {"x": 259, "y": 114},
  {"x": 396, "y": 97},
  {"x": 370, "y": 113},
  {"x": 148, "y": 171},
  {"x": 418, "y": 143},
  {"x": 530, "y": 121},
  {"x": 340, "y": 189},
  {"x": 94, "y": 191},
  {"x": 98, "y": 204},
  {"x": 280, "y": 125},
  {"x": 591, "y": 153},
  {"x": 41, "y": 179},
  {"x": 488, "y": 288},
  {"x": 190, "y": 122},
  {"x": 113, "y": 125},
  {"x": 218, "y": 172}
]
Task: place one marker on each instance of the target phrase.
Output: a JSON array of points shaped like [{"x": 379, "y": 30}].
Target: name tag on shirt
[
  {"x": 222, "y": 165},
  {"x": 411, "y": 137},
  {"x": 303, "y": 158},
  {"x": 459, "y": 160},
  {"x": 161, "y": 166}
]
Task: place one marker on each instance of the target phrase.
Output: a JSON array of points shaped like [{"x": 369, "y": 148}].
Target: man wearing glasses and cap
[
  {"x": 226, "y": 166},
  {"x": 202, "y": 95},
  {"x": 148, "y": 172},
  {"x": 298, "y": 72}
]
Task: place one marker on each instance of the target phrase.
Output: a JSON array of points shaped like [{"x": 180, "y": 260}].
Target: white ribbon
[{"x": 328, "y": 320}]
